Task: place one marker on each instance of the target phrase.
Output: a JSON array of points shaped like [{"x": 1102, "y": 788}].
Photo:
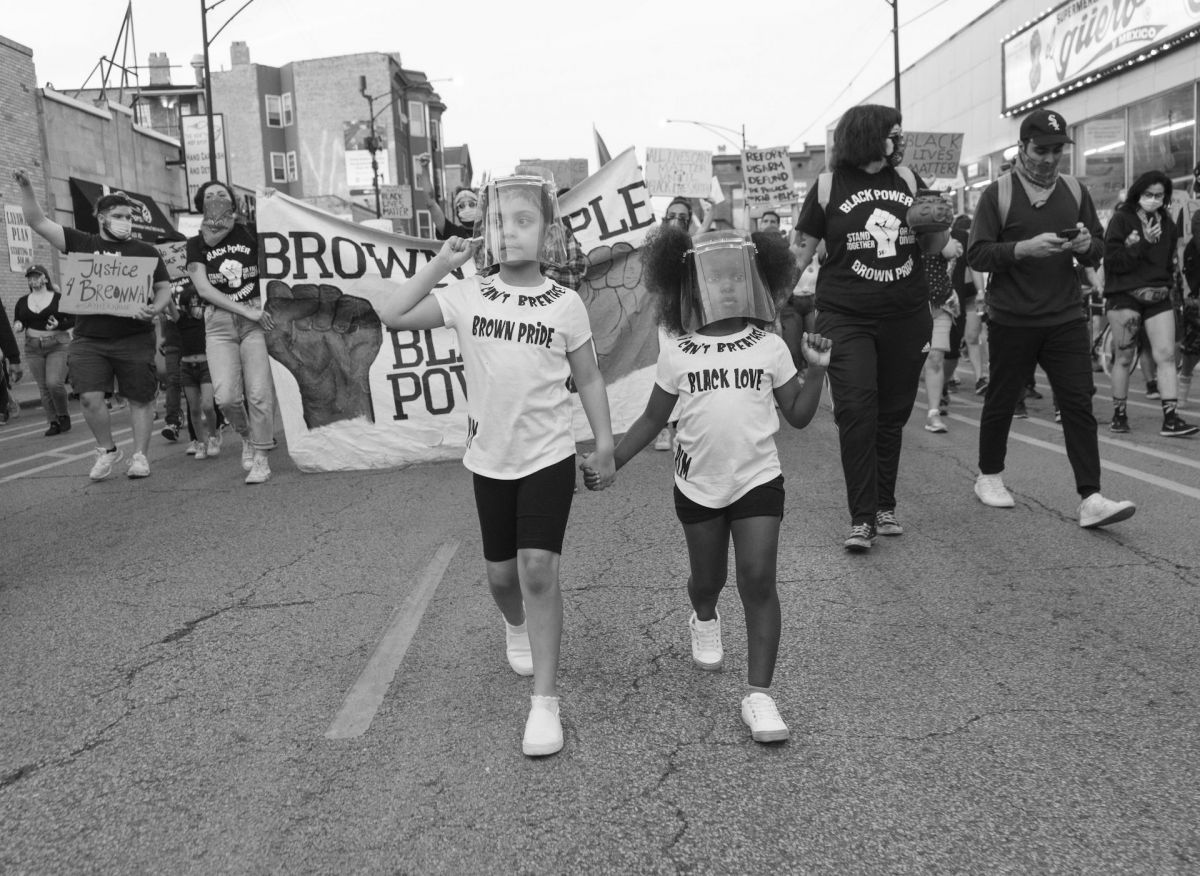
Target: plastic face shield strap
[
  {"x": 723, "y": 282},
  {"x": 515, "y": 226}
]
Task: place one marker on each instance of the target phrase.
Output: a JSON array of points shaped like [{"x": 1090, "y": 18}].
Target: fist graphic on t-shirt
[{"x": 231, "y": 270}]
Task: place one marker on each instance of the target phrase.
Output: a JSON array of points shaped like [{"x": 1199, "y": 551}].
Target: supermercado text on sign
[{"x": 113, "y": 285}]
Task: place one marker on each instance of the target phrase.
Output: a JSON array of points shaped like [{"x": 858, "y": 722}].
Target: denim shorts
[
  {"x": 194, "y": 374},
  {"x": 95, "y": 362}
]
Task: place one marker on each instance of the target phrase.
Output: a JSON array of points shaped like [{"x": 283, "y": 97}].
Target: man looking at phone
[{"x": 1029, "y": 232}]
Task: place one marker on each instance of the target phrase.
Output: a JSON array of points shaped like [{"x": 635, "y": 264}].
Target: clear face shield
[
  {"x": 519, "y": 221},
  {"x": 722, "y": 281}
]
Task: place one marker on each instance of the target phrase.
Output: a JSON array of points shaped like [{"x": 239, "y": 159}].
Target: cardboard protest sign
[
  {"x": 20, "y": 239},
  {"x": 174, "y": 256},
  {"x": 354, "y": 394},
  {"x": 113, "y": 285},
  {"x": 768, "y": 175},
  {"x": 933, "y": 155},
  {"x": 682, "y": 172},
  {"x": 396, "y": 202}
]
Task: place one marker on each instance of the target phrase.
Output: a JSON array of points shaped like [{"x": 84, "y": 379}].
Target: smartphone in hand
[{"x": 1069, "y": 233}]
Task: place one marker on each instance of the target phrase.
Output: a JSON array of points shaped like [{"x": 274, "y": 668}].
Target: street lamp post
[
  {"x": 208, "y": 107},
  {"x": 372, "y": 144},
  {"x": 895, "y": 4},
  {"x": 716, "y": 129}
]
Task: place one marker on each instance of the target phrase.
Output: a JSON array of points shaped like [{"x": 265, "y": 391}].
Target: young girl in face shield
[
  {"x": 521, "y": 337},
  {"x": 716, "y": 297}
]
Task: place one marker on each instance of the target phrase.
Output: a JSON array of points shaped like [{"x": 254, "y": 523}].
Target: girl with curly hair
[{"x": 715, "y": 296}]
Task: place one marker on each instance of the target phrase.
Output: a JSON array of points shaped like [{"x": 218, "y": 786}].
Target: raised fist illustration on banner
[{"x": 328, "y": 341}]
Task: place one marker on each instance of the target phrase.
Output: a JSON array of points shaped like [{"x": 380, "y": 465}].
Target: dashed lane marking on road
[
  {"x": 363, "y": 699},
  {"x": 30, "y": 429},
  {"x": 60, "y": 456},
  {"x": 1134, "y": 473}
]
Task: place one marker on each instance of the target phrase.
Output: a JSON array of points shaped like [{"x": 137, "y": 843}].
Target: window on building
[
  {"x": 293, "y": 167},
  {"x": 274, "y": 111},
  {"x": 286, "y": 111},
  {"x": 1100, "y": 158},
  {"x": 418, "y": 171},
  {"x": 416, "y": 118},
  {"x": 435, "y": 135},
  {"x": 278, "y": 167},
  {"x": 1163, "y": 134},
  {"x": 424, "y": 224}
]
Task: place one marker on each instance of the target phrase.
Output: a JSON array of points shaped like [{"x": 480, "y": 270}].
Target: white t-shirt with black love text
[
  {"x": 725, "y": 444},
  {"x": 514, "y": 342}
]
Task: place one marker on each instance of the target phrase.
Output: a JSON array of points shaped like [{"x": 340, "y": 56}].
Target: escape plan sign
[{"x": 354, "y": 394}]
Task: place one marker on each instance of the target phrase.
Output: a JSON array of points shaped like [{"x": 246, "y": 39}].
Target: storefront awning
[{"x": 152, "y": 225}]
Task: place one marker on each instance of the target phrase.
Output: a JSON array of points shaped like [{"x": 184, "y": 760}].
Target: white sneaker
[
  {"x": 516, "y": 645},
  {"x": 260, "y": 471},
  {"x": 762, "y": 717},
  {"x": 991, "y": 492},
  {"x": 194, "y": 447},
  {"x": 105, "y": 460},
  {"x": 663, "y": 441},
  {"x": 247, "y": 455},
  {"x": 543, "y": 729},
  {"x": 139, "y": 466},
  {"x": 201, "y": 451},
  {"x": 933, "y": 422},
  {"x": 1096, "y": 511},
  {"x": 214, "y": 444},
  {"x": 706, "y": 643}
]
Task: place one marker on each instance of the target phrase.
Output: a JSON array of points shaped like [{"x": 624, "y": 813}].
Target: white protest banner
[
  {"x": 396, "y": 202},
  {"x": 113, "y": 285},
  {"x": 768, "y": 175},
  {"x": 356, "y": 395},
  {"x": 933, "y": 155},
  {"x": 20, "y": 239},
  {"x": 193, "y": 131},
  {"x": 610, "y": 206},
  {"x": 678, "y": 172}
]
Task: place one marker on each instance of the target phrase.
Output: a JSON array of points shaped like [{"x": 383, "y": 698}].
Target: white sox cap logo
[{"x": 1054, "y": 121}]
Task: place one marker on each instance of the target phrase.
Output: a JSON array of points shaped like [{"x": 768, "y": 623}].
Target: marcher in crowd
[
  {"x": 223, "y": 264},
  {"x": 715, "y": 297},
  {"x": 47, "y": 339},
  {"x": 194, "y": 377},
  {"x": 944, "y": 308},
  {"x": 1140, "y": 249},
  {"x": 1030, "y": 247},
  {"x": 520, "y": 446},
  {"x": 11, "y": 370},
  {"x": 872, "y": 303},
  {"x": 107, "y": 348}
]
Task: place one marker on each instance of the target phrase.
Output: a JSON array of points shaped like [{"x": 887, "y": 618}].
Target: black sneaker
[
  {"x": 171, "y": 432},
  {"x": 953, "y": 384},
  {"x": 1019, "y": 412},
  {"x": 1174, "y": 427},
  {"x": 1031, "y": 392},
  {"x": 64, "y": 423},
  {"x": 54, "y": 429},
  {"x": 862, "y": 536},
  {"x": 1120, "y": 423},
  {"x": 981, "y": 386},
  {"x": 1152, "y": 389}
]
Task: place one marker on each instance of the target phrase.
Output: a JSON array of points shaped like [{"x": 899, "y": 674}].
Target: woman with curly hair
[
  {"x": 872, "y": 304},
  {"x": 715, "y": 296},
  {"x": 1140, "y": 246}
]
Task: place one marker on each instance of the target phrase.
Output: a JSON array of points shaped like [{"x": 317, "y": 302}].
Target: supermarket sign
[{"x": 1078, "y": 42}]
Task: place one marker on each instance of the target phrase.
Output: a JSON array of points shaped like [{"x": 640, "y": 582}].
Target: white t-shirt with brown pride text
[
  {"x": 725, "y": 444},
  {"x": 514, "y": 342}
]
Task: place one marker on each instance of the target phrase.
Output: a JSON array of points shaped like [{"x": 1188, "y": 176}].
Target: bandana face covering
[
  {"x": 1040, "y": 171},
  {"x": 218, "y": 219}
]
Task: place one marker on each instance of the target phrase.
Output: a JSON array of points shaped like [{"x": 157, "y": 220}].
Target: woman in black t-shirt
[
  {"x": 47, "y": 337},
  {"x": 223, "y": 264},
  {"x": 872, "y": 303}
]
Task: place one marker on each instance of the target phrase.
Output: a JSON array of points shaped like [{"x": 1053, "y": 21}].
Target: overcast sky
[{"x": 530, "y": 78}]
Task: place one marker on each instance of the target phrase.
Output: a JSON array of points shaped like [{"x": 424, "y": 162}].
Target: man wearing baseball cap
[
  {"x": 107, "y": 348},
  {"x": 1030, "y": 229}
]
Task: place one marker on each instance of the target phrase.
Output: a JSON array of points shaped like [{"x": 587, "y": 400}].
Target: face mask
[
  {"x": 1042, "y": 170},
  {"x": 468, "y": 214},
  {"x": 1149, "y": 205},
  {"x": 897, "y": 155},
  {"x": 121, "y": 229}
]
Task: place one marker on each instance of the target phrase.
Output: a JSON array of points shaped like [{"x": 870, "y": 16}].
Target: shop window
[
  {"x": 1101, "y": 160},
  {"x": 288, "y": 114},
  {"x": 1163, "y": 134},
  {"x": 424, "y": 224},
  {"x": 274, "y": 110},
  {"x": 278, "y": 167}
]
